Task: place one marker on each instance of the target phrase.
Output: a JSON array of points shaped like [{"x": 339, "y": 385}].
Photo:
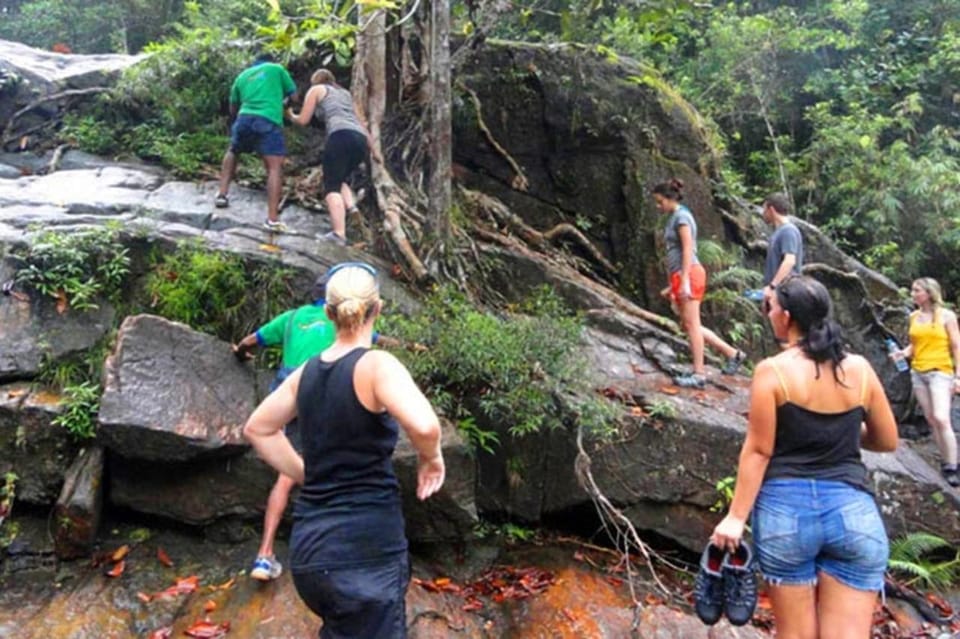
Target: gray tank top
[{"x": 336, "y": 111}]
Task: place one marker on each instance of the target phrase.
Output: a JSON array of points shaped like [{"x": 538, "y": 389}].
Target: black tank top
[
  {"x": 812, "y": 445},
  {"x": 349, "y": 506}
]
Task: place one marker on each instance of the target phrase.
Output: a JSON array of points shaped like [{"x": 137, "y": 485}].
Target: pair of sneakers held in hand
[{"x": 726, "y": 584}]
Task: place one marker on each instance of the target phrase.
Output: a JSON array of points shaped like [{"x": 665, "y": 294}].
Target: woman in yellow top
[{"x": 934, "y": 352}]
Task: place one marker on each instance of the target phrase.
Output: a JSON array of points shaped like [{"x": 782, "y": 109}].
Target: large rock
[
  {"x": 35, "y": 449},
  {"x": 29, "y": 75},
  {"x": 592, "y": 135},
  {"x": 197, "y": 492},
  {"x": 452, "y": 512},
  {"x": 662, "y": 467},
  {"x": 172, "y": 394},
  {"x": 32, "y": 331}
]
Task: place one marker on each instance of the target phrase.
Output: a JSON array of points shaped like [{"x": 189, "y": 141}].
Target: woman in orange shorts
[{"x": 688, "y": 283}]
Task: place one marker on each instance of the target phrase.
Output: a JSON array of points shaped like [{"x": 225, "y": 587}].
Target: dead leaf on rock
[
  {"x": 270, "y": 248},
  {"x": 161, "y": 633},
  {"x": 208, "y": 630},
  {"x": 120, "y": 553},
  {"x": 163, "y": 557},
  {"x": 669, "y": 390},
  {"x": 117, "y": 569}
]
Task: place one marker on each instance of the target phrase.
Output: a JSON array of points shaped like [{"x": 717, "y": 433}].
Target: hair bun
[{"x": 676, "y": 183}]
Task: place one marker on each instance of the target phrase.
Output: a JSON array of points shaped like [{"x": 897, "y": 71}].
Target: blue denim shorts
[
  {"x": 363, "y": 599},
  {"x": 802, "y": 527},
  {"x": 254, "y": 134}
]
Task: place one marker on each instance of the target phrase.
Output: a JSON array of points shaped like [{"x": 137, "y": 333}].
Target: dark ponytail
[
  {"x": 810, "y": 307},
  {"x": 672, "y": 189}
]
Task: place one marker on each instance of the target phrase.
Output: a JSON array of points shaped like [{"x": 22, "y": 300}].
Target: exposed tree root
[
  {"x": 520, "y": 181},
  {"x": 618, "y": 526},
  {"x": 497, "y": 210},
  {"x": 54, "y": 163}
]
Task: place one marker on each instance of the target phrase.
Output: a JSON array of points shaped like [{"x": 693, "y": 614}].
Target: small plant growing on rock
[
  {"x": 80, "y": 410},
  {"x": 76, "y": 268}
]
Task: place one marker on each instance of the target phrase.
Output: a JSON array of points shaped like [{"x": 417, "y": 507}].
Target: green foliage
[
  {"x": 80, "y": 265},
  {"x": 80, "y": 410},
  {"x": 662, "y": 409},
  {"x": 725, "y": 488},
  {"x": 509, "y": 532},
  {"x": 215, "y": 292},
  {"x": 510, "y": 369},
  {"x": 926, "y": 559}
]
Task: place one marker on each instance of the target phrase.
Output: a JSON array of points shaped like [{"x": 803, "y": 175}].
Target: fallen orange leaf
[
  {"x": 208, "y": 630},
  {"x": 144, "y": 597},
  {"x": 440, "y": 582},
  {"x": 164, "y": 558},
  {"x": 669, "y": 390},
  {"x": 228, "y": 584},
  {"x": 270, "y": 248},
  {"x": 209, "y": 606},
  {"x": 117, "y": 569},
  {"x": 120, "y": 553},
  {"x": 161, "y": 633}
]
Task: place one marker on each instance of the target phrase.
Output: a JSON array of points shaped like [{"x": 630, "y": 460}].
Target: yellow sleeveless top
[{"x": 931, "y": 345}]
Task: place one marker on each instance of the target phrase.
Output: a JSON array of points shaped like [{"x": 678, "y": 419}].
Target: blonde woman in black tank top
[{"x": 819, "y": 539}]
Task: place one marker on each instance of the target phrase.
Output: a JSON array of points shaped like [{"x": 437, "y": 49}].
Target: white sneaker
[
  {"x": 266, "y": 569},
  {"x": 275, "y": 227}
]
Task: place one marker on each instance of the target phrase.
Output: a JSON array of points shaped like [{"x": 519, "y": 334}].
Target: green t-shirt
[
  {"x": 310, "y": 333},
  {"x": 260, "y": 90}
]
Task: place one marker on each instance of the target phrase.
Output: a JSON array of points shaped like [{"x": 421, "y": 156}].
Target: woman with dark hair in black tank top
[
  {"x": 348, "y": 550},
  {"x": 819, "y": 538}
]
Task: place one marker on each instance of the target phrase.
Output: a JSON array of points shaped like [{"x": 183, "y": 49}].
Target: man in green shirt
[
  {"x": 304, "y": 332},
  {"x": 256, "y": 110}
]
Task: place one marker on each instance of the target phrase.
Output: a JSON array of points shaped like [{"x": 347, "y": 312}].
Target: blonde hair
[
  {"x": 932, "y": 287},
  {"x": 323, "y": 76},
  {"x": 353, "y": 296}
]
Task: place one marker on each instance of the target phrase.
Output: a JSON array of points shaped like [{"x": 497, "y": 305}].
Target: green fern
[{"x": 910, "y": 555}]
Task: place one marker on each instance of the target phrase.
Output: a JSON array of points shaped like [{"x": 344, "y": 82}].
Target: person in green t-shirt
[
  {"x": 256, "y": 111},
  {"x": 303, "y": 332}
]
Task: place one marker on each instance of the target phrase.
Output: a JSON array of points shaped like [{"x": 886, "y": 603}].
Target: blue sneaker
[
  {"x": 739, "y": 585},
  {"x": 266, "y": 569},
  {"x": 708, "y": 588}
]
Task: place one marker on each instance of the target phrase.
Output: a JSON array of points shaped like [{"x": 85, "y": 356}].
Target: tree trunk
[
  {"x": 439, "y": 128},
  {"x": 369, "y": 87}
]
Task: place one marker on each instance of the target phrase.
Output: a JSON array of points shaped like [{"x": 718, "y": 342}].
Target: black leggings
[{"x": 344, "y": 151}]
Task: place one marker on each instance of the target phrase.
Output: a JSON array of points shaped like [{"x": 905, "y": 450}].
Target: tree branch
[{"x": 43, "y": 100}]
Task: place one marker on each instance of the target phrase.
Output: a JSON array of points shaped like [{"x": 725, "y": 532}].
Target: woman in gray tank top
[{"x": 346, "y": 146}]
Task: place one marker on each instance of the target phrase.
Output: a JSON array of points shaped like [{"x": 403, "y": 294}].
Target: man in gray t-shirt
[{"x": 785, "y": 250}]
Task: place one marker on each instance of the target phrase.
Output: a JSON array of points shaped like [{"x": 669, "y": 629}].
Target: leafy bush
[
  {"x": 213, "y": 291},
  {"x": 78, "y": 267},
  {"x": 519, "y": 368},
  {"x": 926, "y": 559},
  {"x": 80, "y": 410}
]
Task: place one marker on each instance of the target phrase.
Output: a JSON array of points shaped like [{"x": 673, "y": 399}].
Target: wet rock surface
[{"x": 79, "y": 601}]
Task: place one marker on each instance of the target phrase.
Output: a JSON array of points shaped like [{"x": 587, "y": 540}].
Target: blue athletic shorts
[
  {"x": 802, "y": 527},
  {"x": 254, "y": 134}
]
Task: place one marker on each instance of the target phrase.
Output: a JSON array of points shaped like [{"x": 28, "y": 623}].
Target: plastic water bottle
[
  {"x": 899, "y": 362},
  {"x": 754, "y": 294}
]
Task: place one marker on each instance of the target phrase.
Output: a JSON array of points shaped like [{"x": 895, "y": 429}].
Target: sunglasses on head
[{"x": 342, "y": 265}]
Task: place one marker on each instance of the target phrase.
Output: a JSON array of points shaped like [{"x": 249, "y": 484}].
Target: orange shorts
[{"x": 698, "y": 283}]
